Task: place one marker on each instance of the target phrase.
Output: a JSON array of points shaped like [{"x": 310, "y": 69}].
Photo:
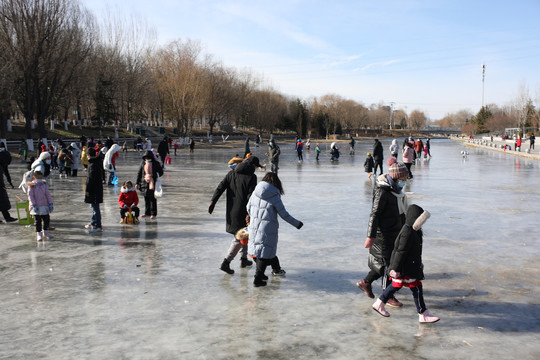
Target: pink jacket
[
  {"x": 39, "y": 198},
  {"x": 408, "y": 155}
]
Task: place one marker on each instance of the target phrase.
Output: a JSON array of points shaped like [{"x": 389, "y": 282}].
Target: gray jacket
[{"x": 263, "y": 207}]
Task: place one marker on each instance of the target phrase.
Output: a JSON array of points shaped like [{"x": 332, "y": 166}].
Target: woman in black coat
[
  {"x": 406, "y": 268},
  {"x": 239, "y": 184},
  {"x": 94, "y": 189},
  {"x": 378, "y": 156},
  {"x": 146, "y": 182},
  {"x": 385, "y": 221},
  {"x": 5, "y": 205},
  {"x": 163, "y": 149}
]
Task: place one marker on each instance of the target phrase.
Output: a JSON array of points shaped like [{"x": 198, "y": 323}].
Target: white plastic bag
[{"x": 158, "y": 192}]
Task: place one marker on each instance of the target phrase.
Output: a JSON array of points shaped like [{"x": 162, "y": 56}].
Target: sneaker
[
  {"x": 394, "y": 302},
  {"x": 94, "y": 229},
  {"x": 153, "y": 217},
  {"x": 366, "y": 288},
  {"x": 143, "y": 215},
  {"x": 39, "y": 237},
  {"x": 279, "y": 272},
  {"x": 11, "y": 219},
  {"x": 47, "y": 235},
  {"x": 88, "y": 226}
]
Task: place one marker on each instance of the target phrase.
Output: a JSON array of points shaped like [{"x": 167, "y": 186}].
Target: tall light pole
[
  {"x": 483, "y": 76},
  {"x": 391, "y": 115}
]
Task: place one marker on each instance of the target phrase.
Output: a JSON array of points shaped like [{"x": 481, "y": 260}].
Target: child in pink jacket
[{"x": 40, "y": 205}]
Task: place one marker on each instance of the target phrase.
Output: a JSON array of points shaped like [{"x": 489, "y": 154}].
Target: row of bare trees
[{"x": 57, "y": 61}]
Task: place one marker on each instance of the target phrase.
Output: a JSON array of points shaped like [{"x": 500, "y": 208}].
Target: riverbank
[{"x": 498, "y": 145}]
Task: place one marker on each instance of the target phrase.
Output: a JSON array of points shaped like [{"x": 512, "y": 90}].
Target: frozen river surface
[{"x": 154, "y": 291}]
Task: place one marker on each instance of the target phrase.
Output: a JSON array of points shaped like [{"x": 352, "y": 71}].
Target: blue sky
[{"x": 420, "y": 55}]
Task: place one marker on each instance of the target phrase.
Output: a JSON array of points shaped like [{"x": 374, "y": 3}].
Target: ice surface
[{"x": 154, "y": 291}]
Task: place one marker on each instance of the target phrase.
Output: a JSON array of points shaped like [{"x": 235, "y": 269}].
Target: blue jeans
[{"x": 96, "y": 215}]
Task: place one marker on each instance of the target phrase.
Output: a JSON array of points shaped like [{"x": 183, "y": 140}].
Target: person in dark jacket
[
  {"x": 109, "y": 142},
  {"x": 406, "y": 268},
  {"x": 239, "y": 184},
  {"x": 5, "y": 160},
  {"x": 378, "y": 156},
  {"x": 246, "y": 148},
  {"x": 163, "y": 150},
  {"x": 386, "y": 219},
  {"x": 273, "y": 155},
  {"x": 149, "y": 170},
  {"x": 94, "y": 190},
  {"x": 369, "y": 164},
  {"x": 5, "y": 205}
]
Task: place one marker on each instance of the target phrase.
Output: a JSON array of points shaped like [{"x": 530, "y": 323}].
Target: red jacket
[{"x": 128, "y": 198}]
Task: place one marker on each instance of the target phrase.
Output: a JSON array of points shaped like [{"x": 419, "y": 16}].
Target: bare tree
[
  {"x": 177, "y": 71},
  {"x": 220, "y": 93},
  {"x": 46, "y": 41},
  {"x": 418, "y": 119},
  {"x": 268, "y": 107}
]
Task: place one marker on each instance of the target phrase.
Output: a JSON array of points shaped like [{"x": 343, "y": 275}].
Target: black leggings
[
  {"x": 150, "y": 203},
  {"x": 418, "y": 295},
  {"x": 378, "y": 164},
  {"x": 46, "y": 220},
  {"x": 263, "y": 263},
  {"x": 408, "y": 165}
]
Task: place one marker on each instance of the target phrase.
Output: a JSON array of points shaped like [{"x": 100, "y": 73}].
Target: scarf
[
  {"x": 148, "y": 175},
  {"x": 401, "y": 196}
]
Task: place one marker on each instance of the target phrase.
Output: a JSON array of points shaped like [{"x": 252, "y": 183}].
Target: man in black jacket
[
  {"x": 93, "y": 194},
  {"x": 386, "y": 219},
  {"x": 378, "y": 156},
  {"x": 5, "y": 160},
  {"x": 163, "y": 150},
  {"x": 239, "y": 183}
]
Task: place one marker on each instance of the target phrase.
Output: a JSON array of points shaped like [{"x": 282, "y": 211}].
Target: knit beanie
[
  {"x": 398, "y": 170},
  {"x": 391, "y": 161}
]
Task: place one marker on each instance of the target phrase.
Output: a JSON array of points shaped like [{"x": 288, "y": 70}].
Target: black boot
[
  {"x": 225, "y": 267},
  {"x": 259, "y": 282},
  {"x": 246, "y": 262}
]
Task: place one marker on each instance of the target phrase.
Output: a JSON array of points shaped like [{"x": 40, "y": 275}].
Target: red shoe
[
  {"x": 394, "y": 302},
  {"x": 366, "y": 288}
]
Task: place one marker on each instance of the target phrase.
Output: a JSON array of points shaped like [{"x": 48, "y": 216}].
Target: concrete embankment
[{"x": 498, "y": 145}]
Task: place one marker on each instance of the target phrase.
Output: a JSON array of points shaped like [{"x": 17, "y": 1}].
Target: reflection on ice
[{"x": 154, "y": 290}]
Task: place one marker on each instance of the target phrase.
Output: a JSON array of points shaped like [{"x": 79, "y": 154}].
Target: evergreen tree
[{"x": 480, "y": 119}]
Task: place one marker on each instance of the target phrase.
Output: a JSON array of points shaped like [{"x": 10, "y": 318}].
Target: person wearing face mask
[
  {"x": 42, "y": 164},
  {"x": 386, "y": 220},
  {"x": 128, "y": 199},
  {"x": 40, "y": 205},
  {"x": 149, "y": 170}
]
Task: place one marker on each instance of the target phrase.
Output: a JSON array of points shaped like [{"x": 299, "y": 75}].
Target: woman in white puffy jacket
[
  {"x": 263, "y": 208},
  {"x": 76, "y": 155}
]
